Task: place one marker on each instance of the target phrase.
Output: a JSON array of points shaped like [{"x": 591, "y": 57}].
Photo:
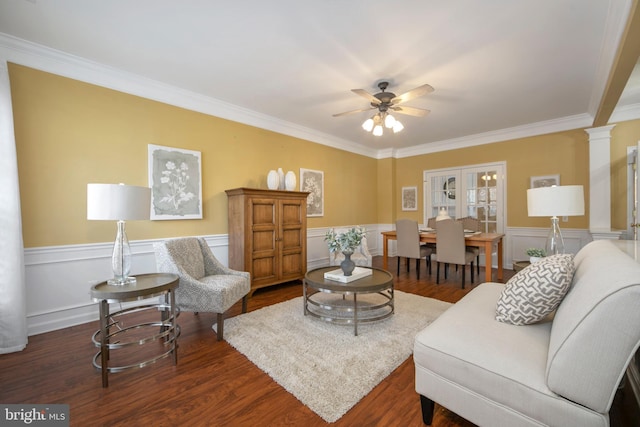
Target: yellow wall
[
  {"x": 564, "y": 153},
  {"x": 70, "y": 133}
]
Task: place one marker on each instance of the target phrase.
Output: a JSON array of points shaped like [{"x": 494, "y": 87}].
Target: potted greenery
[
  {"x": 346, "y": 243},
  {"x": 535, "y": 254}
]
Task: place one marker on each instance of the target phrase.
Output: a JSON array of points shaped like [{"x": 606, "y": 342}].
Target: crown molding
[
  {"x": 625, "y": 113},
  {"x": 524, "y": 131},
  {"x": 39, "y": 57},
  {"x": 22, "y": 52}
]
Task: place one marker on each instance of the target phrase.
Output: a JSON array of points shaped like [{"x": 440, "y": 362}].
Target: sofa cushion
[
  {"x": 536, "y": 291},
  {"x": 596, "y": 329}
]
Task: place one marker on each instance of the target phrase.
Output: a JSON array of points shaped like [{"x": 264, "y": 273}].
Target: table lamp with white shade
[
  {"x": 119, "y": 202},
  {"x": 555, "y": 201}
]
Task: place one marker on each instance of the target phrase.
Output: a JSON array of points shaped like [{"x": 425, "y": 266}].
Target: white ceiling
[{"x": 494, "y": 64}]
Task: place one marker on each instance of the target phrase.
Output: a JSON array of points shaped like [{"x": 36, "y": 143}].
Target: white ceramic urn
[
  {"x": 290, "y": 181},
  {"x": 273, "y": 180},
  {"x": 281, "y": 179}
]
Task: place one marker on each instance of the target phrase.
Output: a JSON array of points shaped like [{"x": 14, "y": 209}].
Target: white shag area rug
[{"x": 323, "y": 364}]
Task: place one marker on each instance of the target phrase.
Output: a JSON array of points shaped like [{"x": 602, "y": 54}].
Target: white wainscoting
[
  {"x": 517, "y": 240},
  {"x": 59, "y": 278}
]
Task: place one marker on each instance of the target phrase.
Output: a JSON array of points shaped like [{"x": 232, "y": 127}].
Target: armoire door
[
  {"x": 290, "y": 239},
  {"x": 263, "y": 244}
]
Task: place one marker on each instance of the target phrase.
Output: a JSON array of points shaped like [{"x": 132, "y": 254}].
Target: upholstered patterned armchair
[
  {"x": 361, "y": 255},
  {"x": 205, "y": 284}
]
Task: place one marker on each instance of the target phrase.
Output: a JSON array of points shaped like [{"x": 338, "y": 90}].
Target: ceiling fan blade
[
  {"x": 413, "y": 93},
  {"x": 411, "y": 111},
  {"x": 353, "y": 111},
  {"x": 363, "y": 93}
]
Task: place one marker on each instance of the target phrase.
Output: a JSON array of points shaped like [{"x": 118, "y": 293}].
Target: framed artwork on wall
[
  {"x": 409, "y": 198},
  {"x": 313, "y": 182},
  {"x": 545, "y": 181},
  {"x": 175, "y": 178}
]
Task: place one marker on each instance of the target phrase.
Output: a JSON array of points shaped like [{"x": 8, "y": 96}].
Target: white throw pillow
[{"x": 536, "y": 291}]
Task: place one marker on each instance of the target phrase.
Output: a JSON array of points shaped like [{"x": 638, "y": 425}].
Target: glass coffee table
[{"x": 338, "y": 302}]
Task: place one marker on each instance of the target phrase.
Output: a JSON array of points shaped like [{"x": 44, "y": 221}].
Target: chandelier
[{"x": 381, "y": 120}]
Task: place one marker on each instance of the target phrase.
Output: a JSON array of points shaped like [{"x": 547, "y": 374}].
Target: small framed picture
[
  {"x": 409, "y": 198},
  {"x": 313, "y": 182},
  {"x": 545, "y": 181},
  {"x": 175, "y": 178}
]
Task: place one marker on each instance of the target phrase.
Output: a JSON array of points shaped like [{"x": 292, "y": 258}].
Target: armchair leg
[
  {"x": 220, "y": 330},
  {"x": 464, "y": 268},
  {"x": 418, "y": 267},
  {"x": 244, "y": 303},
  {"x": 427, "y": 410},
  {"x": 398, "y": 272},
  {"x": 437, "y": 272}
]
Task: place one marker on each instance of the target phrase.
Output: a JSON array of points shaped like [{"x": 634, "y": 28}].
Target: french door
[{"x": 476, "y": 190}]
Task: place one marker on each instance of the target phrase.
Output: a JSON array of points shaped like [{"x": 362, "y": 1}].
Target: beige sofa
[{"x": 563, "y": 371}]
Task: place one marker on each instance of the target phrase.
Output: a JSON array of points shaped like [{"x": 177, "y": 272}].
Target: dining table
[{"x": 481, "y": 240}]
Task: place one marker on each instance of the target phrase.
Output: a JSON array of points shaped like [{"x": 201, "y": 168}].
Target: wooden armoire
[{"x": 268, "y": 235}]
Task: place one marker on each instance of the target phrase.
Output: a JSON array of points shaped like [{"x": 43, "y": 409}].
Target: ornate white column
[{"x": 600, "y": 183}]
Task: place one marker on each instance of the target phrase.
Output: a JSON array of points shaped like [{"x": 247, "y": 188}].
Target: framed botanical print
[
  {"x": 175, "y": 178},
  {"x": 312, "y": 181},
  {"x": 409, "y": 198}
]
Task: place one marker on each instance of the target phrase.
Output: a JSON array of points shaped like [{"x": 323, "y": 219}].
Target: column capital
[{"x": 600, "y": 132}]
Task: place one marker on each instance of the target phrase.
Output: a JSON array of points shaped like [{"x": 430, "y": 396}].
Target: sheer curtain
[{"x": 13, "y": 320}]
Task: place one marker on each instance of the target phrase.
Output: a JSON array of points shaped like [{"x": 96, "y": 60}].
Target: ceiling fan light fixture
[
  {"x": 368, "y": 125},
  {"x": 385, "y": 102},
  {"x": 389, "y": 121}
]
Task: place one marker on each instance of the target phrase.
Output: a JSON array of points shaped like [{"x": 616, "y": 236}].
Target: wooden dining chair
[
  {"x": 408, "y": 244},
  {"x": 450, "y": 248}
]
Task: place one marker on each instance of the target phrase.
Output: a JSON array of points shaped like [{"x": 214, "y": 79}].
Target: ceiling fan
[{"x": 386, "y": 101}]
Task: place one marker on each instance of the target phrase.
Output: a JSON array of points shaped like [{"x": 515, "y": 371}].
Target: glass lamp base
[
  {"x": 122, "y": 281},
  {"x": 555, "y": 242}
]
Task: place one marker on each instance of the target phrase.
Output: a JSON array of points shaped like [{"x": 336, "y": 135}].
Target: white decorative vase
[
  {"x": 281, "y": 178},
  {"x": 290, "y": 181},
  {"x": 273, "y": 180},
  {"x": 534, "y": 259}
]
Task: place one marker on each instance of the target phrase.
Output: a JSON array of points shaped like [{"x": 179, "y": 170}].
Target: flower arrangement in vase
[
  {"x": 346, "y": 243},
  {"x": 535, "y": 254}
]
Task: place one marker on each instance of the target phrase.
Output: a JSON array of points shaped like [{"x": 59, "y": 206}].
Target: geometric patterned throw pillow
[{"x": 536, "y": 291}]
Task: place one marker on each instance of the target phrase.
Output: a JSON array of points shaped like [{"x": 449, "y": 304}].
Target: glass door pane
[
  {"x": 482, "y": 200},
  {"x": 442, "y": 194}
]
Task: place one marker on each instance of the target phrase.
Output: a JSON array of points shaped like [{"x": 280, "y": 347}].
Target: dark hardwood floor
[{"x": 213, "y": 384}]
